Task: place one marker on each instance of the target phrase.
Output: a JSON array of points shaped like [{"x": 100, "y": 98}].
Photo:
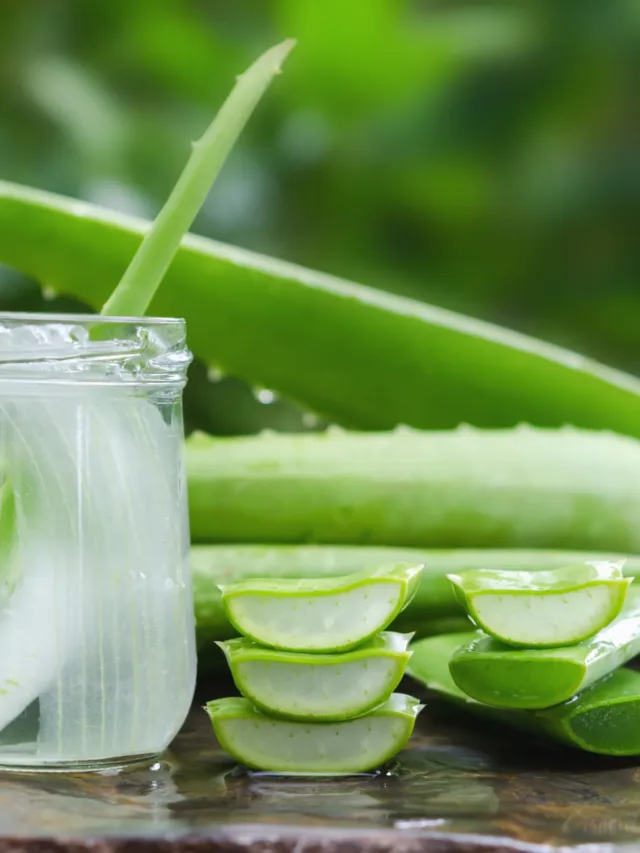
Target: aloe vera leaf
[
  {"x": 250, "y": 314},
  {"x": 320, "y": 614},
  {"x": 604, "y": 719},
  {"x": 321, "y": 687},
  {"x": 433, "y": 605},
  {"x": 288, "y": 746},
  {"x": 532, "y": 488},
  {"x": 498, "y": 675},
  {"x": 548, "y": 609},
  {"x": 10, "y": 571},
  {"x": 159, "y": 245},
  {"x": 131, "y": 297}
]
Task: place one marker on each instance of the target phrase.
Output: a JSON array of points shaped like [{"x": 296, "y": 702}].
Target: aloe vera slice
[
  {"x": 433, "y": 610},
  {"x": 292, "y": 746},
  {"x": 320, "y": 614},
  {"x": 497, "y": 675},
  {"x": 543, "y": 609},
  {"x": 604, "y": 719},
  {"x": 319, "y": 686}
]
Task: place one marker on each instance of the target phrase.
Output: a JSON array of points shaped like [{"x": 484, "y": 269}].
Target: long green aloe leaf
[
  {"x": 363, "y": 358},
  {"x": 515, "y": 488},
  {"x": 495, "y": 674},
  {"x": 603, "y": 719}
]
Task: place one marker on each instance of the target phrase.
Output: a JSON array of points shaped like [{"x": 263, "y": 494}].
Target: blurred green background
[{"x": 481, "y": 156}]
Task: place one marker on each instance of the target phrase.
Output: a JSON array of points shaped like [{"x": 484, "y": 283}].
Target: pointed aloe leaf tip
[{"x": 142, "y": 278}]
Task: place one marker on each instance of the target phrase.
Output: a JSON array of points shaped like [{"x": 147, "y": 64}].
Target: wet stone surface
[{"x": 459, "y": 786}]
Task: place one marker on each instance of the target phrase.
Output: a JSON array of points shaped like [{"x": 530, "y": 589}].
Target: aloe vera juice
[{"x": 96, "y": 622}]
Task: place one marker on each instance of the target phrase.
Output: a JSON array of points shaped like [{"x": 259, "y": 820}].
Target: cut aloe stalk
[
  {"x": 320, "y": 614},
  {"x": 292, "y": 746},
  {"x": 604, "y": 719},
  {"x": 543, "y": 609},
  {"x": 538, "y": 678},
  {"x": 319, "y": 686},
  {"x": 9, "y": 569}
]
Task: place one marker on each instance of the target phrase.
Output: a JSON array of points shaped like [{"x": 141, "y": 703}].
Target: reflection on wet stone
[{"x": 457, "y": 782}]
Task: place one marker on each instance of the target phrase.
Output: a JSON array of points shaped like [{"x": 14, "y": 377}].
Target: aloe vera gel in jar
[{"x": 97, "y": 660}]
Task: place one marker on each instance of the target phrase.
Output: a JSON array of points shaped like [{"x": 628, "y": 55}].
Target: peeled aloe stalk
[
  {"x": 295, "y": 747},
  {"x": 496, "y": 675},
  {"x": 604, "y": 719},
  {"x": 319, "y": 686},
  {"x": 320, "y": 614},
  {"x": 543, "y": 609}
]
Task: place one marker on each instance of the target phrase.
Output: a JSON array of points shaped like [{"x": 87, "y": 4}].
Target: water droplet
[
  {"x": 310, "y": 420},
  {"x": 214, "y": 374},
  {"x": 334, "y": 429},
  {"x": 419, "y": 823},
  {"x": 265, "y": 396},
  {"x": 49, "y": 293}
]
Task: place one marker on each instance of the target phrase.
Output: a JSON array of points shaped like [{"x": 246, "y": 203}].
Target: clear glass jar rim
[
  {"x": 63, "y": 348},
  {"x": 81, "y": 319}
]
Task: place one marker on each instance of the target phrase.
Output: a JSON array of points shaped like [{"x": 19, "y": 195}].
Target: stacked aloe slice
[
  {"x": 317, "y": 671},
  {"x": 549, "y": 658}
]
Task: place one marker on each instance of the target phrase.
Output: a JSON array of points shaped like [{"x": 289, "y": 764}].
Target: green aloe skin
[
  {"x": 463, "y": 488},
  {"x": 161, "y": 241},
  {"x": 543, "y": 609},
  {"x": 295, "y": 747},
  {"x": 319, "y": 687},
  {"x": 495, "y": 674},
  {"x": 602, "y": 719},
  {"x": 10, "y": 569},
  {"x": 320, "y": 614}
]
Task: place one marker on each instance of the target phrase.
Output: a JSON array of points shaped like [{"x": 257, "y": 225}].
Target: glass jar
[{"x": 97, "y": 647}]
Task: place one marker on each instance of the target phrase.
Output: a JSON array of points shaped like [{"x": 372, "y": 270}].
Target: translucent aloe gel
[
  {"x": 316, "y": 615},
  {"x": 318, "y": 687},
  {"x": 301, "y": 747}
]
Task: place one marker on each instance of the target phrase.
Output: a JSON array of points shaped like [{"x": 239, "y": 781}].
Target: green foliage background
[{"x": 483, "y": 156}]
